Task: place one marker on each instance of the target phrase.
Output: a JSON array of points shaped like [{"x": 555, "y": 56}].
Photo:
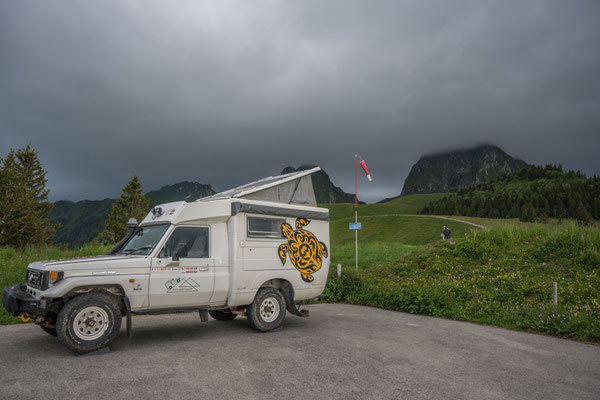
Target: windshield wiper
[{"x": 133, "y": 251}]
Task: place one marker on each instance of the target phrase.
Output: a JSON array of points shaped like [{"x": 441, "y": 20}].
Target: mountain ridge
[{"x": 82, "y": 221}]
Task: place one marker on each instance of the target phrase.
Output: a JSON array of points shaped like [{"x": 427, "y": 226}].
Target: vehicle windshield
[{"x": 144, "y": 239}]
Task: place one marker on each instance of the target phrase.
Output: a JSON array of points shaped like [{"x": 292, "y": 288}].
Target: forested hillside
[
  {"x": 80, "y": 222},
  {"x": 536, "y": 193}
]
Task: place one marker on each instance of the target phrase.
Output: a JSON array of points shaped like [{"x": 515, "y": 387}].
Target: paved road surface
[{"x": 340, "y": 352}]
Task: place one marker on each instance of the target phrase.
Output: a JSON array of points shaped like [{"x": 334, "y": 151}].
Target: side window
[
  {"x": 268, "y": 228},
  {"x": 196, "y": 242}
]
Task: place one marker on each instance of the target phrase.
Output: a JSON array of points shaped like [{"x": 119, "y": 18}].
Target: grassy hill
[
  {"x": 405, "y": 205},
  {"x": 394, "y": 223},
  {"x": 389, "y": 229},
  {"x": 406, "y": 229}
]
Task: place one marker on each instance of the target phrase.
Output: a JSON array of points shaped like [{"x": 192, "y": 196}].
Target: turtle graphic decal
[{"x": 305, "y": 250}]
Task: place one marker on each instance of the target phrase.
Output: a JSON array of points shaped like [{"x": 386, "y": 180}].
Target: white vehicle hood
[{"x": 97, "y": 262}]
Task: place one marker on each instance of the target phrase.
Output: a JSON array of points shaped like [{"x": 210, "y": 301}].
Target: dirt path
[{"x": 413, "y": 215}]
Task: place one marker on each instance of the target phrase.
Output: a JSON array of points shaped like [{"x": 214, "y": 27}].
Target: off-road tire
[
  {"x": 49, "y": 331},
  {"x": 267, "y": 311},
  {"x": 221, "y": 315},
  {"x": 97, "y": 317}
]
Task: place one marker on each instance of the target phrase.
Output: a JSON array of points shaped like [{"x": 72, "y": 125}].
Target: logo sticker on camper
[
  {"x": 305, "y": 251},
  {"x": 177, "y": 285}
]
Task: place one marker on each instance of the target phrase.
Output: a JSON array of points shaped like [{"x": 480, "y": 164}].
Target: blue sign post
[{"x": 355, "y": 225}]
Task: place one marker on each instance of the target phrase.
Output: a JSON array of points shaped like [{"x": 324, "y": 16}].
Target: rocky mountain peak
[{"x": 453, "y": 170}]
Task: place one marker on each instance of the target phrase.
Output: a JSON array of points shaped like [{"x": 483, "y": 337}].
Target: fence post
[
  {"x": 554, "y": 296},
  {"x": 339, "y": 270}
]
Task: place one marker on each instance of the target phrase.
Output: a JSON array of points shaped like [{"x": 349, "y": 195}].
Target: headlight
[
  {"x": 42, "y": 279},
  {"x": 35, "y": 278}
]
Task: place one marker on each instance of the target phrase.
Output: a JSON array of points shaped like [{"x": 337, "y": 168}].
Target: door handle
[{"x": 202, "y": 268}]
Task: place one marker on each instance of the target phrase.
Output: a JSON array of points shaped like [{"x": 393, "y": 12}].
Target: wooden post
[
  {"x": 339, "y": 270},
  {"x": 554, "y": 296}
]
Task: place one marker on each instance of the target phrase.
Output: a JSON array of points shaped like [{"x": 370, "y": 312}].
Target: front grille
[{"x": 35, "y": 278}]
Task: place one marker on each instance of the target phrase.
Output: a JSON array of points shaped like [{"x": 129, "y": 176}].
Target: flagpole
[{"x": 356, "y": 209}]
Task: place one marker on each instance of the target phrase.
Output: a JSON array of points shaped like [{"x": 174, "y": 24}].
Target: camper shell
[{"x": 256, "y": 251}]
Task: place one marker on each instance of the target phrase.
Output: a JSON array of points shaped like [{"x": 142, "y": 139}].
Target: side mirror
[{"x": 180, "y": 251}]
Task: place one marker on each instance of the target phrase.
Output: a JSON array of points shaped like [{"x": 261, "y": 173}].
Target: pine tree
[
  {"x": 528, "y": 213},
  {"x": 24, "y": 205},
  {"x": 131, "y": 204},
  {"x": 582, "y": 215}
]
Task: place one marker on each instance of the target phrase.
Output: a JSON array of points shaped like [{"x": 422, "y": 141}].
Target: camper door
[{"x": 183, "y": 274}]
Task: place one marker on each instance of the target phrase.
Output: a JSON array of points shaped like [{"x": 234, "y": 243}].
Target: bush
[{"x": 344, "y": 288}]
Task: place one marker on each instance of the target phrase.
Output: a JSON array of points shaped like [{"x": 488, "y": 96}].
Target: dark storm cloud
[{"x": 227, "y": 92}]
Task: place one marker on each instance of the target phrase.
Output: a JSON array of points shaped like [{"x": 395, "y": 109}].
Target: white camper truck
[{"x": 255, "y": 251}]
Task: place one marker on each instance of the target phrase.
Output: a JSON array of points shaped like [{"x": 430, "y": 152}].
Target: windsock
[{"x": 363, "y": 164}]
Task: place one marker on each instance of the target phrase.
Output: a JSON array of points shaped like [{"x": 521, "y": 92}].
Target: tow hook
[{"x": 24, "y": 317}]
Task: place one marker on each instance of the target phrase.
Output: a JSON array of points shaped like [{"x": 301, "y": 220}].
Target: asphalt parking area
[{"x": 339, "y": 352}]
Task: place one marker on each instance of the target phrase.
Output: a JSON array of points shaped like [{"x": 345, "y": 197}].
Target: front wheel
[
  {"x": 267, "y": 311},
  {"x": 88, "y": 322}
]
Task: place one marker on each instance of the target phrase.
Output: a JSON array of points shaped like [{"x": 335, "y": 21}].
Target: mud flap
[
  {"x": 203, "y": 315},
  {"x": 288, "y": 293},
  {"x": 128, "y": 316}
]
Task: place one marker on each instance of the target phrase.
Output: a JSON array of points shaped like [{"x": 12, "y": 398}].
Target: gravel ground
[{"x": 340, "y": 352}]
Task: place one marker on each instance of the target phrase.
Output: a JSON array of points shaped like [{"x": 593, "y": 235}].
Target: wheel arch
[
  {"x": 116, "y": 291},
  {"x": 277, "y": 283},
  {"x": 287, "y": 289}
]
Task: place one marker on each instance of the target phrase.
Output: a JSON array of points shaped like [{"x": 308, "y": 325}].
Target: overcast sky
[{"x": 225, "y": 92}]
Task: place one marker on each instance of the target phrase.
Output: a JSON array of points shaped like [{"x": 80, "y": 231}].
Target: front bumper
[{"x": 16, "y": 301}]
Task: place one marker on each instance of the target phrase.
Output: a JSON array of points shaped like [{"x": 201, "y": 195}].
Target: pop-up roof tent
[{"x": 293, "y": 188}]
